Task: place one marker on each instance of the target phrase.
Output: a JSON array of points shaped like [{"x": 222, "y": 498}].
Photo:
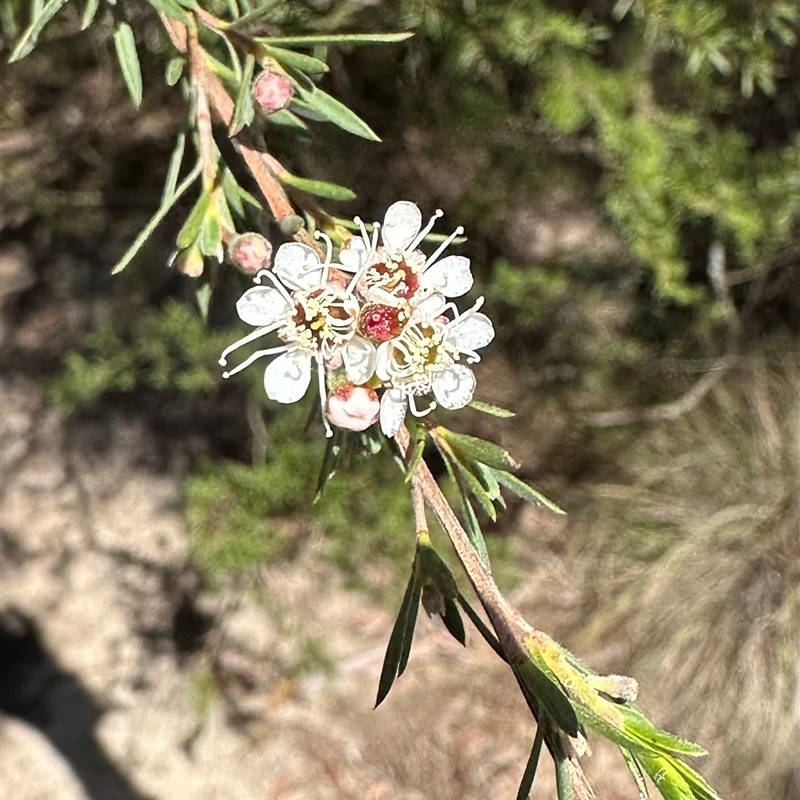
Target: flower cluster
[{"x": 378, "y": 326}]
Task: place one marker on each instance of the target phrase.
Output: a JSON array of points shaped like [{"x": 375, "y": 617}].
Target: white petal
[
  {"x": 287, "y": 378},
  {"x": 453, "y": 387},
  {"x": 429, "y": 307},
  {"x": 353, "y": 253},
  {"x": 393, "y": 410},
  {"x": 298, "y": 265},
  {"x": 261, "y": 305},
  {"x": 359, "y": 360},
  {"x": 471, "y": 332},
  {"x": 452, "y": 276},
  {"x": 383, "y": 361},
  {"x": 401, "y": 225}
]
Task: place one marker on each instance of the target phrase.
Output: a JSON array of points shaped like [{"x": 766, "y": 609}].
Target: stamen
[
  {"x": 322, "y": 396},
  {"x": 251, "y": 337},
  {"x": 412, "y": 405},
  {"x": 278, "y": 285},
  {"x": 258, "y": 354},
  {"x": 326, "y": 267},
  {"x": 445, "y": 244},
  {"x": 438, "y": 214}
]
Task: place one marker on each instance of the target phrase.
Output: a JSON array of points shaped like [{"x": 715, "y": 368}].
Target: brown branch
[{"x": 222, "y": 107}]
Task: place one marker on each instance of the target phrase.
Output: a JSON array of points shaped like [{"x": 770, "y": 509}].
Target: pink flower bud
[
  {"x": 354, "y": 408},
  {"x": 272, "y": 91},
  {"x": 250, "y": 253}
]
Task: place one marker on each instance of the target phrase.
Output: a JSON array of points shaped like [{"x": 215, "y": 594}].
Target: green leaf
[
  {"x": 203, "y": 297},
  {"x": 304, "y": 110},
  {"x": 528, "y": 776},
  {"x": 244, "y": 110},
  {"x": 667, "y": 779},
  {"x": 171, "y": 9},
  {"x": 564, "y": 788},
  {"x": 471, "y": 521},
  {"x": 524, "y": 491},
  {"x": 636, "y": 771},
  {"x": 484, "y": 631},
  {"x": 539, "y": 679},
  {"x": 488, "y": 408},
  {"x": 29, "y": 38},
  {"x": 174, "y": 168},
  {"x": 174, "y": 70},
  {"x": 89, "y": 13},
  {"x": 319, "y": 188},
  {"x": 210, "y": 237},
  {"x": 288, "y": 58},
  {"x": 399, "y": 647},
  {"x": 162, "y": 212},
  {"x": 453, "y": 622},
  {"x": 286, "y": 119},
  {"x": 329, "y": 463},
  {"x": 466, "y": 481},
  {"x": 637, "y": 724},
  {"x": 420, "y": 435},
  {"x": 194, "y": 222},
  {"x": 341, "y": 38},
  {"x": 336, "y": 112},
  {"x": 247, "y": 22},
  {"x": 129, "y": 61},
  {"x": 474, "y": 449},
  {"x": 235, "y": 195}
]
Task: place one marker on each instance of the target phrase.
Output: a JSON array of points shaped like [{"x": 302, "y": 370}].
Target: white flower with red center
[
  {"x": 424, "y": 358},
  {"x": 396, "y": 272},
  {"x": 314, "y": 315}
]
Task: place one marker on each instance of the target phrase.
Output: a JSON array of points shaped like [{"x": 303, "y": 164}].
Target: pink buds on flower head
[
  {"x": 354, "y": 408},
  {"x": 272, "y": 91},
  {"x": 250, "y": 253}
]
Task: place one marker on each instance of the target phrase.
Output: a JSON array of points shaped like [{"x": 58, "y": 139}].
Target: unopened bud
[
  {"x": 250, "y": 253},
  {"x": 353, "y": 408},
  {"x": 272, "y": 91}
]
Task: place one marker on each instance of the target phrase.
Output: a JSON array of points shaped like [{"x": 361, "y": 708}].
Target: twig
[
  {"x": 664, "y": 411},
  {"x": 222, "y": 106}
]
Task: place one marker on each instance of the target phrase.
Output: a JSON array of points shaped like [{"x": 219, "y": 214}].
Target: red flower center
[{"x": 381, "y": 323}]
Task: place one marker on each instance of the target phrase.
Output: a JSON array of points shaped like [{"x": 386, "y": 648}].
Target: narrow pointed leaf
[
  {"x": 286, "y": 119},
  {"x": 474, "y": 449},
  {"x": 194, "y": 222},
  {"x": 304, "y": 110},
  {"x": 328, "y": 468},
  {"x": 125, "y": 45},
  {"x": 528, "y": 776},
  {"x": 521, "y": 489},
  {"x": 318, "y": 188},
  {"x": 399, "y": 647},
  {"x": 173, "y": 171},
  {"x": 336, "y": 112},
  {"x": 636, "y": 772},
  {"x": 171, "y": 8},
  {"x": 89, "y": 13},
  {"x": 453, "y": 622},
  {"x": 488, "y": 408},
  {"x": 483, "y": 629},
  {"x": 244, "y": 110},
  {"x": 174, "y": 70},
  {"x": 667, "y": 780},
  {"x": 203, "y": 298},
  {"x": 328, "y": 38},
  {"x": 418, "y": 448},
  {"x": 549, "y": 694},
  {"x": 29, "y": 38},
  {"x": 564, "y": 788},
  {"x": 301, "y": 61},
  {"x": 162, "y": 212}
]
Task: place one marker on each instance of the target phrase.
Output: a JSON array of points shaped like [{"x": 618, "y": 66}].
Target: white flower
[
  {"x": 397, "y": 271},
  {"x": 423, "y": 359},
  {"x": 314, "y": 317}
]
